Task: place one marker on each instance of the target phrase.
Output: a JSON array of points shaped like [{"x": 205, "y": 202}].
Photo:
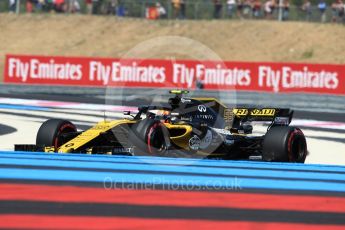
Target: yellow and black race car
[{"x": 184, "y": 127}]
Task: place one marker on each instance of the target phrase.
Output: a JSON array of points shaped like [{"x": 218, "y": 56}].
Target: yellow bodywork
[
  {"x": 181, "y": 140},
  {"x": 103, "y": 126},
  {"x": 91, "y": 134}
]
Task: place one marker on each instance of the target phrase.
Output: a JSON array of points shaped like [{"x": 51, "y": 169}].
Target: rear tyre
[
  {"x": 284, "y": 144},
  {"x": 49, "y": 134},
  {"x": 150, "y": 137}
]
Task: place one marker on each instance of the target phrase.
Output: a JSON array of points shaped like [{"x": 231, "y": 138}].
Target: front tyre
[
  {"x": 50, "y": 132},
  {"x": 150, "y": 137},
  {"x": 284, "y": 144}
]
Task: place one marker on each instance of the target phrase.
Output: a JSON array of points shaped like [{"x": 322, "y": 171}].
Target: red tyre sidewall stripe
[
  {"x": 61, "y": 129},
  {"x": 153, "y": 127},
  {"x": 292, "y": 135}
]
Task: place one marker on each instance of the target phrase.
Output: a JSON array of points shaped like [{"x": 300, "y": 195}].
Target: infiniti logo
[{"x": 202, "y": 108}]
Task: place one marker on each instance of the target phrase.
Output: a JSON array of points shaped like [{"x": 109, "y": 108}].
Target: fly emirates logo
[
  {"x": 288, "y": 78},
  {"x": 121, "y": 72},
  {"x": 218, "y": 75},
  {"x": 36, "y": 69}
]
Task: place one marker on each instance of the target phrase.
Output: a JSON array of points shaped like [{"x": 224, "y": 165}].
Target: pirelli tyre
[
  {"x": 284, "y": 144},
  {"x": 49, "y": 134},
  {"x": 150, "y": 136}
]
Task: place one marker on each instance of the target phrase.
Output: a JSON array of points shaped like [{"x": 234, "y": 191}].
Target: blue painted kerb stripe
[{"x": 226, "y": 178}]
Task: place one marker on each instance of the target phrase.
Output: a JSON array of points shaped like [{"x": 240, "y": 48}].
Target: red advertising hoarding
[{"x": 216, "y": 75}]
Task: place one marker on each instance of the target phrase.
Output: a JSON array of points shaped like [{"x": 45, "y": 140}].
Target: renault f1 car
[{"x": 184, "y": 127}]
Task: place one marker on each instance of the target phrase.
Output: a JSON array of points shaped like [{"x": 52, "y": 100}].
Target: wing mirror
[{"x": 128, "y": 113}]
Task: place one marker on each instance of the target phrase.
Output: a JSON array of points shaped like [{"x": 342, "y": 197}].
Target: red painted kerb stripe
[
  {"x": 243, "y": 200},
  {"x": 83, "y": 222}
]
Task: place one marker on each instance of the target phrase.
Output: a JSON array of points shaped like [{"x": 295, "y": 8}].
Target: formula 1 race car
[{"x": 184, "y": 127}]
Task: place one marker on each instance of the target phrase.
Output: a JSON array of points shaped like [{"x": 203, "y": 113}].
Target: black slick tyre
[
  {"x": 150, "y": 136},
  {"x": 284, "y": 144},
  {"x": 51, "y": 130}
]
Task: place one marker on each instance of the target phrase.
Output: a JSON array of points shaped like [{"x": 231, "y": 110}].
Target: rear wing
[
  {"x": 278, "y": 116},
  {"x": 234, "y": 117}
]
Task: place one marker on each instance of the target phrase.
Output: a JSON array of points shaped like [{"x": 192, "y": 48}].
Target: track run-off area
[
  {"x": 20, "y": 120},
  {"x": 57, "y": 191}
]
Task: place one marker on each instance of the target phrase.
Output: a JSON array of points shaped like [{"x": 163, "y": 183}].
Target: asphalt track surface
[{"x": 69, "y": 191}]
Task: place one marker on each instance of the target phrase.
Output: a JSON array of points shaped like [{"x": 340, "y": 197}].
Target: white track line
[
  {"x": 61, "y": 115},
  {"x": 66, "y": 105},
  {"x": 319, "y": 124}
]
